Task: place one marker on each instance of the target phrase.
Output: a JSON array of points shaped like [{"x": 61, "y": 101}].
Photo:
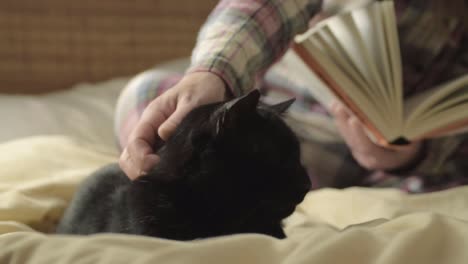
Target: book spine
[{"x": 315, "y": 66}]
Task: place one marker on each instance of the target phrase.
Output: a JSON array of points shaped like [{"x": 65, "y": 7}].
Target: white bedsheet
[{"x": 39, "y": 174}]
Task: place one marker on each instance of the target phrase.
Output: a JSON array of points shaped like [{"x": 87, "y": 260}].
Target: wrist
[
  {"x": 412, "y": 163},
  {"x": 211, "y": 80}
]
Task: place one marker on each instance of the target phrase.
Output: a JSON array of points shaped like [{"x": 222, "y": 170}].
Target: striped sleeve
[{"x": 242, "y": 38}]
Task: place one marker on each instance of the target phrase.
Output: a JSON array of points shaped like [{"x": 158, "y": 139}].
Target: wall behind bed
[{"x": 52, "y": 44}]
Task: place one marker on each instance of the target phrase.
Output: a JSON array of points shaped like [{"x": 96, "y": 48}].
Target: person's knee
[
  {"x": 136, "y": 95},
  {"x": 151, "y": 82}
]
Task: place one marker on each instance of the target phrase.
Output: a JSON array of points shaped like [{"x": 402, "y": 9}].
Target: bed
[{"x": 57, "y": 128}]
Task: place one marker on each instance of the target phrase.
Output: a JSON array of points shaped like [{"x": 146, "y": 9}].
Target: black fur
[{"x": 229, "y": 168}]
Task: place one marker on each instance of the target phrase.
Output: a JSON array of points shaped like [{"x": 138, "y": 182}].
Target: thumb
[{"x": 168, "y": 127}]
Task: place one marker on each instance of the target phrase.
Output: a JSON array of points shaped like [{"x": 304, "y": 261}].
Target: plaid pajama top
[{"x": 241, "y": 39}]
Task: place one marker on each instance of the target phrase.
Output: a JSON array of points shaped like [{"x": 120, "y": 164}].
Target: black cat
[{"x": 230, "y": 167}]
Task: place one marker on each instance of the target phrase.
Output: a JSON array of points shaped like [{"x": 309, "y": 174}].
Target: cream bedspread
[{"x": 39, "y": 174}]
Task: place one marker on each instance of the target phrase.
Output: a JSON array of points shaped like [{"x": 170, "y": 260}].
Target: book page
[
  {"x": 353, "y": 41},
  {"x": 370, "y": 27},
  {"x": 448, "y": 121},
  {"x": 343, "y": 87},
  {"x": 456, "y": 98},
  {"x": 423, "y": 102},
  {"x": 352, "y": 86},
  {"x": 328, "y": 43},
  {"x": 393, "y": 46},
  {"x": 357, "y": 54},
  {"x": 436, "y": 107},
  {"x": 341, "y": 28},
  {"x": 326, "y": 40}
]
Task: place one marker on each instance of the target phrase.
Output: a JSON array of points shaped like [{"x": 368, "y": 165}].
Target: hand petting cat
[
  {"x": 210, "y": 179},
  {"x": 162, "y": 116},
  {"x": 368, "y": 154}
]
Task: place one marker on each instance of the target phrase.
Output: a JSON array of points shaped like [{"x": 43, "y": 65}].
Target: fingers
[
  {"x": 137, "y": 159},
  {"x": 168, "y": 127},
  {"x": 125, "y": 163},
  {"x": 363, "y": 149},
  {"x": 365, "y": 152},
  {"x": 352, "y": 130},
  {"x": 163, "y": 115},
  {"x": 153, "y": 117},
  {"x": 132, "y": 172}
]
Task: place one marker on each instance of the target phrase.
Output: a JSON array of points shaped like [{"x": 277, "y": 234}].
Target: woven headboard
[{"x": 51, "y": 44}]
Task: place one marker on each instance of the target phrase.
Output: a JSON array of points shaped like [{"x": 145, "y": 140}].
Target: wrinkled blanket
[{"x": 38, "y": 176}]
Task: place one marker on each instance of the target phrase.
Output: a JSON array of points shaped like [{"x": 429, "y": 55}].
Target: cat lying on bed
[{"x": 231, "y": 167}]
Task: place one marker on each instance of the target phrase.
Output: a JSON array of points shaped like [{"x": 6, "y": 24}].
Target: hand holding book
[
  {"x": 368, "y": 154},
  {"x": 355, "y": 58}
]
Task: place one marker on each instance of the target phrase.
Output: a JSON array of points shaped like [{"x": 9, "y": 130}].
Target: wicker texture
[{"x": 52, "y": 44}]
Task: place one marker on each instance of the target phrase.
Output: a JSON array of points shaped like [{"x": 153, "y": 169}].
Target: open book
[{"x": 356, "y": 56}]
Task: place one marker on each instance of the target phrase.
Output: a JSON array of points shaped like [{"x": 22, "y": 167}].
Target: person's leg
[{"x": 134, "y": 98}]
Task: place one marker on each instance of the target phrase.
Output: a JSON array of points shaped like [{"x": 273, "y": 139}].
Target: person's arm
[{"x": 242, "y": 38}]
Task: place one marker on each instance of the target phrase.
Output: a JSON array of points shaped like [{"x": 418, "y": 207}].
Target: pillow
[{"x": 86, "y": 111}]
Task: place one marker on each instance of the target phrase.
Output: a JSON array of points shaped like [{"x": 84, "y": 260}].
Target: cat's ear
[
  {"x": 243, "y": 104},
  {"x": 283, "y": 106},
  {"x": 237, "y": 109}
]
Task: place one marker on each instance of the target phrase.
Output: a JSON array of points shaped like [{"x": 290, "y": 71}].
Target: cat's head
[{"x": 235, "y": 166}]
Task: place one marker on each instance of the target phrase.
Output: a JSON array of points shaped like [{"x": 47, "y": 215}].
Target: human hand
[
  {"x": 163, "y": 115},
  {"x": 368, "y": 154}
]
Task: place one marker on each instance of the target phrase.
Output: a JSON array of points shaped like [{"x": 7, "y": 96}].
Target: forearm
[{"x": 242, "y": 38}]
